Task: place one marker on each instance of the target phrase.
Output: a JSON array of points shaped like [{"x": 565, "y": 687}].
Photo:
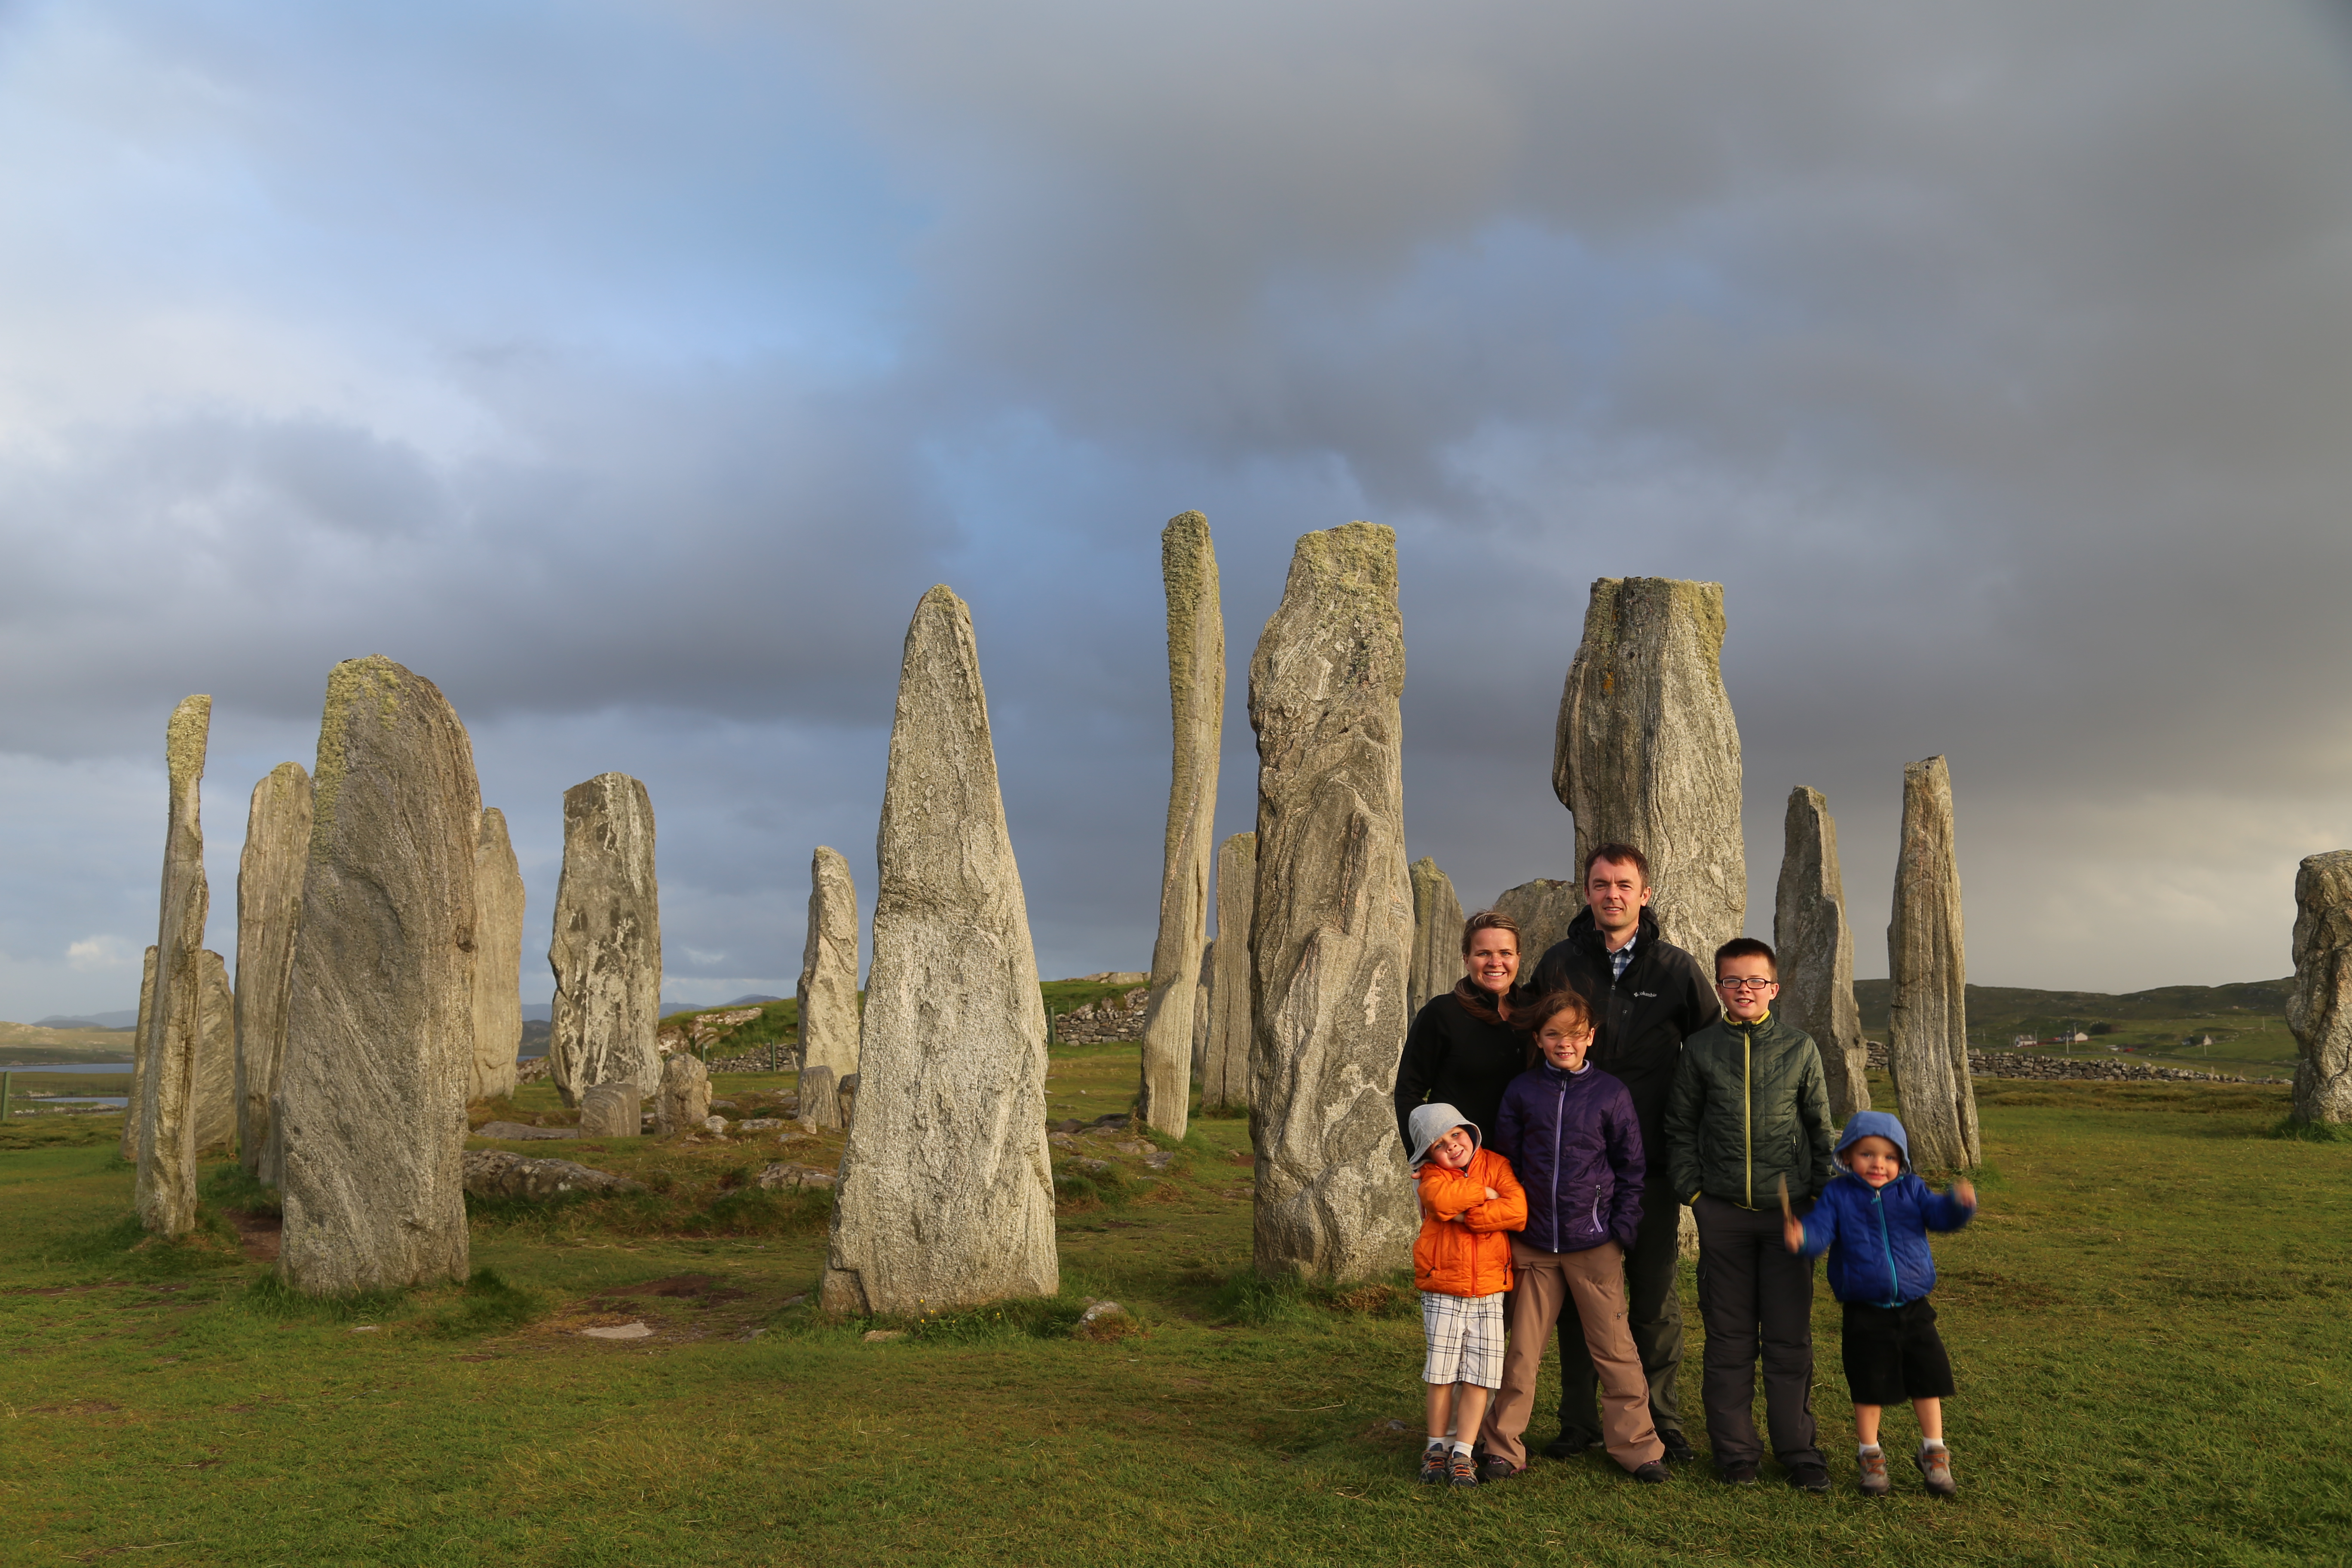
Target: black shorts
[{"x": 1893, "y": 1355}]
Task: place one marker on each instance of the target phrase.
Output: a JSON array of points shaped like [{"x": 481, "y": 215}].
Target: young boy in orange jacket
[{"x": 1462, "y": 1263}]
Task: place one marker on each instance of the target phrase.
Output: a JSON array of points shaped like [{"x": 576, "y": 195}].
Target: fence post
[{"x": 5, "y": 1078}]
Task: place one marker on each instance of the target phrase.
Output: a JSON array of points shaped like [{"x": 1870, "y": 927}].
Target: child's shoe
[
  {"x": 1436, "y": 1464},
  {"x": 1464, "y": 1470},
  {"x": 1935, "y": 1462},
  {"x": 1873, "y": 1461}
]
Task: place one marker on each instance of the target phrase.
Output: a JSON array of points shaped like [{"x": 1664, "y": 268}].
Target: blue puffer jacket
[
  {"x": 1577, "y": 1146},
  {"x": 1877, "y": 1236}
]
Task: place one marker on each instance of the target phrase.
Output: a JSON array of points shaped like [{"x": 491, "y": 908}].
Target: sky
[{"x": 631, "y": 369}]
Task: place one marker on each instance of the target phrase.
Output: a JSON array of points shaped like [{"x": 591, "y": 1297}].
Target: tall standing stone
[
  {"x": 268, "y": 908},
  {"x": 380, "y": 1030},
  {"x": 684, "y": 1102},
  {"x": 166, "y": 1191},
  {"x": 1815, "y": 945},
  {"x": 132, "y": 1114},
  {"x": 607, "y": 950},
  {"x": 1647, "y": 751},
  {"x": 497, "y": 960},
  {"x": 1436, "y": 936},
  {"x": 1332, "y": 942},
  {"x": 1196, "y": 692},
  {"x": 1543, "y": 909},
  {"x": 215, "y": 1097},
  {"x": 946, "y": 1193},
  {"x": 1200, "y": 1009},
  {"x": 2319, "y": 1010},
  {"x": 1225, "y": 1071},
  {"x": 828, "y": 987},
  {"x": 1927, "y": 1012}
]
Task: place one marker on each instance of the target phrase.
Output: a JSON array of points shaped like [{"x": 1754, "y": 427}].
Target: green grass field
[{"x": 2146, "y": 1320}]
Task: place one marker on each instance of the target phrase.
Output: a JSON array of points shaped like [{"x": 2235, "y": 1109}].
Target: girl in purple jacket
[{"x": 1569, "y": 1131}]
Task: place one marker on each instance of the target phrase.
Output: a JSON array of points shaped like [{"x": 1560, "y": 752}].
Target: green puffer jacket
[{"x": 1751, "y": 1104}]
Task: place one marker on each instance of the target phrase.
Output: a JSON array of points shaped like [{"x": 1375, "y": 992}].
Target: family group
[{"x": 1557, "y": 1127}]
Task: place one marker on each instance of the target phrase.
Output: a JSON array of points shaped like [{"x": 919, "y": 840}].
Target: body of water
[{"x": 67, "y": 1067}]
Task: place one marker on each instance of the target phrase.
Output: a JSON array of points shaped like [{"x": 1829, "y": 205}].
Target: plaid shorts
[{"x": 1465, "y": 1339}]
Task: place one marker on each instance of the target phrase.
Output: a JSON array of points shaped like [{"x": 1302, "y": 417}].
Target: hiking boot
[
  {"x": 1654, "y": 1474},
  {"x": 1437, "y": 1463},
  {"x": 1495, "y": 1468},
  {"x": 1679, "y": 1448},
  {"x": 1936, "y": 1468},
  {"x": 1462, "y": 1471},
  {"x": 1737, "y": 1475},
  {"x": 1568, "y": 1445},
  {"x": 1809, "y": 1475},
  {"x": 1873, "y": 1472}
]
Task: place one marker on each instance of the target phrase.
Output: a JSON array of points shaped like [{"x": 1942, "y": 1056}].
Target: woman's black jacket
[{"x": 1454, "y": 1058}]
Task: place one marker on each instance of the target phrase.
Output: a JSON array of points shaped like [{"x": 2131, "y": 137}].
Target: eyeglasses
[{"x": 1739, "y": 983}]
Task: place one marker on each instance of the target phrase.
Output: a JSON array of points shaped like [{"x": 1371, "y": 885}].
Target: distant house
[
  {"x": 2197, "y": 1042},
  {"x": 2023, "y": 1043}
]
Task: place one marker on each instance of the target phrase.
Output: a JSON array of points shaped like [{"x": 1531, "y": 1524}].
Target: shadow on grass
[
  {"x": 2311, "y": 1131},
  {"x": 230, "y": 1186},
  {"x": 1257, "y": 1301},
  {"x": 664, "y": 1208}
]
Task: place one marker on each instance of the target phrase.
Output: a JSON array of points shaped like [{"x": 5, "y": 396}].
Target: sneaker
[
  {"x": 1809, "y": 1477},
  {"x": 1936, "y": 1468},
  {"x": 1462, "y": 1471},
  {"x": 1737, "y": 1475},
  {"x": 1679, "y": 1448},
  {"x": 1654, "y": 1474},
  {"x": 1437, "y": 1463},
  {"x": 1495, "y": 1468},
  {"x": 1568, "y": 1445},
  {"x": 1873, "y": 1473}
]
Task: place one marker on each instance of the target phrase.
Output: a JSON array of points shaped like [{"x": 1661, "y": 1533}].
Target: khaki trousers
[{"x": 1595, "y": 1281}]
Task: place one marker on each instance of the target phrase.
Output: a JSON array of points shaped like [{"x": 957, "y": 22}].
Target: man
[{"x": 1648, "y": 997}]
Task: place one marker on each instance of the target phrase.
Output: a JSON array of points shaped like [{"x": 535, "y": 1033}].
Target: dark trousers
[
  {"x": 1652, "y": 1313},
  {"x": 1755, "y": 1295}
]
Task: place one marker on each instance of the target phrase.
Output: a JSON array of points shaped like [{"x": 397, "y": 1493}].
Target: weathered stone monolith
[
  {"x": 946, "y": 1196},
  {"x": 820, "y": 1098},
  {"x": 1200, "y": 1005},
  {"x": 497, "y": 960},
  {"x": 614, "y": 1110},
  {"x": 1647, "y": 751},
  {"x": 379, "y": 1025},
  {"x": 215, "y": 1058},
  {"x": 1927, "y": 1012},
  {"x": 1543, "y": 909},
  {"x": 2319, "y": 1010},
  {"x": 1225, "y": 1075},
  {"x": 1196, "y": 692},
  {"x": 130, "y": 1111},
  {"x": 268, "y": 908},
  {"x": 684, "y": 1103},
  {"x": 1436, "y": 936},
  {"x": 1815, "y": 945},
  {"x": 1332, "y": 941},
  {"x": 607, "y": 949},
  {"x": 174, "y": 1039},
  {"x": 828, "y": 987}
]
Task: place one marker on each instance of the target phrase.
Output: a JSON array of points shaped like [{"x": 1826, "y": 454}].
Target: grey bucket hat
[{"x": 1430, "y": 1123}]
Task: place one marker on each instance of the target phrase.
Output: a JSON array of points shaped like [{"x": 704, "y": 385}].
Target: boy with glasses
[{"x": 1748, "y": 1121}]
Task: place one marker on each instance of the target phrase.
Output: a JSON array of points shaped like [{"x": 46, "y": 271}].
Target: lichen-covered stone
[
  {"x": 1332, "y": 938},
  {"x": 828, "y": 987},
  {"x": 497, "y": 960},
  {"x": 607, "y": 949},
  {"x": 1543, "y": 909},
  {"x": 946, "y": 1194},
  {"x": 2319, "y": 1011},
  {"x": 1647, "y": 751},
  {"x": 268, "y": 911},
  {"x": 215, "y": 1097},
  {"x": 821, "y": 1102},
  {"x": 380, "y": 1028},
  {"x": 1436, "y": 936},
  {"x": 684, "y": 1102},
  {"x": 502, "y": 1173},
  {"x": 1200, "y": 1009},
  {"x": 1196, "y": 691},
  {"x": 614, "y": 1110},
  {"x": 174, "y": 1038},
  {"x": 1927, "y": 1011},
  {"x": 1224, "y": 1072},
  {"x": 1815, "y": 945},
  {"x": 129, "y": 1147}
]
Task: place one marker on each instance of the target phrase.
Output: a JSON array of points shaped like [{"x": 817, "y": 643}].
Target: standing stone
[
  {"x": 174, "y": 1039},
  {"x": 497, "y": 960},
  {"x": 684, "y": 1102},
  {"x": 607, "y": 950},
  {"x": 1196, "y": 691},
  {"x": 1225, "y": 1075},
  {"x": 380, "y": 1029},
  {"x": 1927, "y": 1013},
  {"x": 819, "y": 1099},
  {"x": 2320, "y": 1009},
  {"x": 1201, "y": 1004},
  {"x": 946, "y": 1194},
  {"x": 1332, "y": 942},
  {"x": 216, "y": 1096},
  {"x": 268, "y": 908},
  {"x": 828, "y": 987},
  {"x": 1543, "y": 909},
  {"x": 1436, "y": 936},
  {"x": 130, "y": 1112},
  {"x": 1815, "y": 945},
  {"x": 614, "y": 1110},
  {"x": 1647, "y": 751}
]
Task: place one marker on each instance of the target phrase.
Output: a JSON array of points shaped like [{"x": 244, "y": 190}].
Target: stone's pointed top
[
  {"x": 494, "y": 826},
  {"x": 939, "y": 598},
  {"x": 369, "y": 689},
  {"x": 1356, "y": 557},
  {"x": 184, "y": 737}
]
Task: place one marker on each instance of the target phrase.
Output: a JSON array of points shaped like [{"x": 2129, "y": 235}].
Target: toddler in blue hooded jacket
[{"x": 1873, "y": 1220}]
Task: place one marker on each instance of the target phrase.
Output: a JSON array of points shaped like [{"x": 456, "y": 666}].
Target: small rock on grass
[
  {"x": 759, "y": 1125},
  {"x": 623, "y": 1331},
  {"x": 517, "y": 1129},
  {"x": 783, "y": 1176},
  {"x": 882, "y": 1336},
  {"x": 501, "y": 1173}
]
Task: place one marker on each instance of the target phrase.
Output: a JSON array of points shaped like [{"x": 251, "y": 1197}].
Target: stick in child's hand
[
  {"x": 1791, "y": 1232},
  {"x": 1785, "y": 1215}
]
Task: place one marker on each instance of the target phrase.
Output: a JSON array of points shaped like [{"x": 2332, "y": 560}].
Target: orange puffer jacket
[{"x": 1465, "y": 1247}]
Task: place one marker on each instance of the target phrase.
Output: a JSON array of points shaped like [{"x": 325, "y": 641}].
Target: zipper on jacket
[
  {"x": 1748, "y": 1107},
  {"x": 1559, "y": 1116},
  {"x": 1886, "y": 1245}
]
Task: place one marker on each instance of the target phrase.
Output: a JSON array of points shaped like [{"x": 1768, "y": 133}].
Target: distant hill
[
  {"x": 124, "y": 1020},
  {"x": 1996, "y": 1012}
]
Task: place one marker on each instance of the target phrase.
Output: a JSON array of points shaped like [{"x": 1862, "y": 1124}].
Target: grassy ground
[{"x": 2146, "y": 1321}]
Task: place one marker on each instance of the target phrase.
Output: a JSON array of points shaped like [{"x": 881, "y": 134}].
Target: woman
[{"x": 1464, "y": 1049}]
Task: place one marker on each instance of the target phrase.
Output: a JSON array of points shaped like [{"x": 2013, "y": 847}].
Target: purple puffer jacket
[{"x": 1576, "y": 1146}]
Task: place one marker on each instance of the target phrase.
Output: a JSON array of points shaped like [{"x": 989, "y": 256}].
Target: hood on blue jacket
[
  {"x": 1430, "y": 1123},
  {"x": 1865, "y": 1124}
]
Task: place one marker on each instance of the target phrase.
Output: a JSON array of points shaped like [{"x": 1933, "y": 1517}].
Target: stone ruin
[
  {"x": 1815, "y": 945},
  {"x": 1225, "y": 1053},
  {"x": 828, "y": 986},
  {"x": 270, "y": 875},
  {"x": 1436, "y": 936},
  {"x": 498, "y": 961},
  {"x": 1927, "y": 1012},
  {"x": 606, "y": 954},
  {"x": 684, "y": 1103}
]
